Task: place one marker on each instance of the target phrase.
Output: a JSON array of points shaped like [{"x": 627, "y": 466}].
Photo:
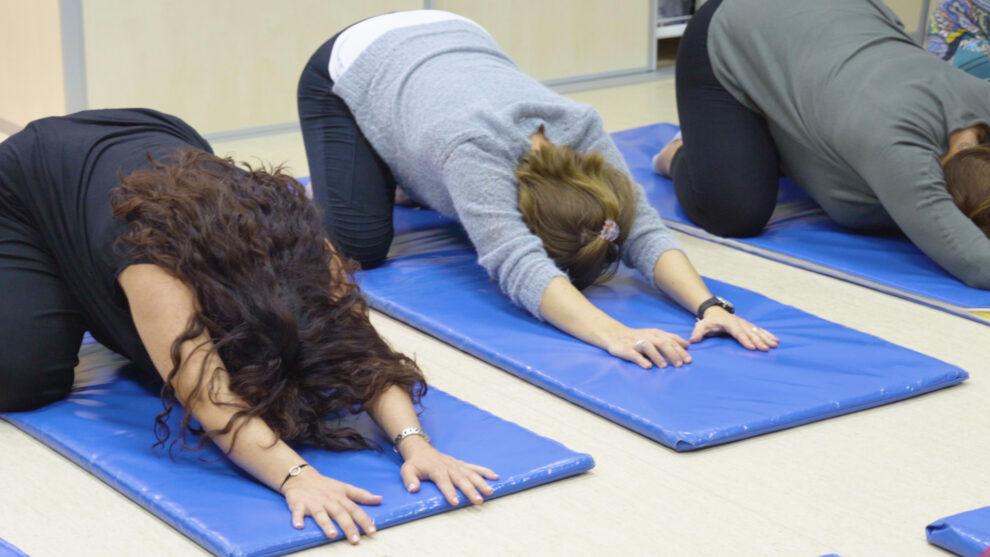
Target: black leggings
[
  {"x": 41, "y": 323},
  {"x": 726, "y": 173},
  {"x": 351, "y": 183}
]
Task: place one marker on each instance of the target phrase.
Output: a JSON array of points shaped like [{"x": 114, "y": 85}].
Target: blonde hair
[
  {"x": 566, "y": 198},
  {"x": 967, "y": 179}
]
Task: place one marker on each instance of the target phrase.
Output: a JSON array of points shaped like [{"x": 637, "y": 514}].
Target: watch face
[{"x": 725, "y": 303}]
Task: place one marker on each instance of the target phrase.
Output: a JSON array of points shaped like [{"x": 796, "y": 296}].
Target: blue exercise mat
[
  {"x": 8, "y": 550},
  {"x": 800, "y": 234},
  {"x": 433, "y": 282},
  {"x": 966, "y": 534},
  {"x": 107, "y": 430}
]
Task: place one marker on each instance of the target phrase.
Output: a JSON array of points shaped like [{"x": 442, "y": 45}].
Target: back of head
[
  {"x": 967, "y": 179},
  {"x": 272, "y": 294},
  {"x": 580, "y": 206}
]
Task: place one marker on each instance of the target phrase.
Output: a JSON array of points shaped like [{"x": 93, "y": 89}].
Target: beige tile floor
[{"x": 859, "y": 485}]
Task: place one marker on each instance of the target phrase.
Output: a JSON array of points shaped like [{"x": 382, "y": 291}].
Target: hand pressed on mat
[
  {"x": 718, "y": 321},
  {"x": 423, "y": 462},
  {"x": 328, "y": 500},
  {"x": 648, "y": 347},
  {"x": 313, "y": 494}
]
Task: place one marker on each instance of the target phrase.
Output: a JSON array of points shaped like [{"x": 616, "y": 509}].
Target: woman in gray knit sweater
[
  {"x": 880, "y": 133},
  {"x": 427, "y": 100}
]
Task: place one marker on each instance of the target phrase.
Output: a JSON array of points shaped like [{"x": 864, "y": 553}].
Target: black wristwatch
[{"x": 715, "y": 301}]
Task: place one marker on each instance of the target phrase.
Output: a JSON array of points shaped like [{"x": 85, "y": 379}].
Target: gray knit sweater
[
  {"x": 861, "y": 115},
  {"x": 452, "y": 115}
]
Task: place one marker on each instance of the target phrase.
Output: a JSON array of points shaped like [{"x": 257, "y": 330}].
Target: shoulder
[{"x": 484, "y": 151}]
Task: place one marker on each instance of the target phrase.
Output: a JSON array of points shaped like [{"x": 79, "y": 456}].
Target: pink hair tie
[{"x": 610, "y": 231}]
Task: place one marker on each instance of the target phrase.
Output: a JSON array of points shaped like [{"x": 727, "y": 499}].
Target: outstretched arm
[
  {"x": 162, "y": 307},
  {"x": 910, "y": 184},
  {"x": 567, "y": 308},
  {"x": 676, "y": 277}
]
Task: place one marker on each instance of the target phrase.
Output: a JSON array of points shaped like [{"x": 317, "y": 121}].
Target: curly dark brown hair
[{"x": 275, "y": 298}]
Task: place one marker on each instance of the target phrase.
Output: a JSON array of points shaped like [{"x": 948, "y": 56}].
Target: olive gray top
[
  {"x": 860, "y": 114},
  {"x": 451, "y": 115}
]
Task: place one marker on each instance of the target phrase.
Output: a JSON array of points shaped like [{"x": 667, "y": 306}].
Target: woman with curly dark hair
[{"x": 220, "y": 280}]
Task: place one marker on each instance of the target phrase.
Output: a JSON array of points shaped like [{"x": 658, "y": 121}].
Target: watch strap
[{"x": 713, "y": 301}]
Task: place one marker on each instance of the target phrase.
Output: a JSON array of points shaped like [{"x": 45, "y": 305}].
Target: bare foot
[
  {"x": 662, "y": 160},
  {"x": 402, "y": 198}
]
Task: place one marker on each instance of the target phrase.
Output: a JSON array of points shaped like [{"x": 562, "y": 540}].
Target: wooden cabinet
[
  {"x": 219, "y": 64},
  {"x": 566, "y": 40},
  {"x": 31, "y": 73},
  {"x": 231, "y": 66}
]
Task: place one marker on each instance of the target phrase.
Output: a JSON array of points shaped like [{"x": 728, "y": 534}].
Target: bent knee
[
  {"x": 368, "y": 251},
  {"x": 20, "y": 393},
  {"x": 28, "y": 384},
  {"x": 735, "y": 226},
  {"x": 729, "y": 219},
  {"x": 368, "y": 257},
  {"x": 372, "y": 260},
  {"x": 734, "y": 212}
]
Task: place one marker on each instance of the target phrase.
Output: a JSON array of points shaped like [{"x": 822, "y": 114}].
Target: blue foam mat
[
  {"x": 801, "y": 234},
  {"x": 966, "y": 534},
  {"x": 433, "y": 282},
  {"x": 8, "y": 550},
  {"x": 107, "y": 430}
]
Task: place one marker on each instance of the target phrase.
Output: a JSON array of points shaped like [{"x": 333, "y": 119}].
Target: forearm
[
  {"x": 255, "y": 453},
  {"x": 566, "y": 308},
  {"x": 250, "y": 443},
  {"x": 675, "y": 276},
  {"x": 911, "y": 188},
  {"x": 393, "y": 411},
  {"x": 162, "y": 307}
]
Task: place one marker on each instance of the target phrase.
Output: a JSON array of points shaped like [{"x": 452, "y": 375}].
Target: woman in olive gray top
[
  {"x": 836, "y": 95},
  {"x": 426, "y": 98}
]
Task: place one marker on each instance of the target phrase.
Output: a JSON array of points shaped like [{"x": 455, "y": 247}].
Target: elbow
[
  {"x": 974, "y": 273},
  {"x": 978, "y": 279}
]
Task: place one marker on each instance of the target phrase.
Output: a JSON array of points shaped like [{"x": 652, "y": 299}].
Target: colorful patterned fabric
[{"x": 959, "y": 32}]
